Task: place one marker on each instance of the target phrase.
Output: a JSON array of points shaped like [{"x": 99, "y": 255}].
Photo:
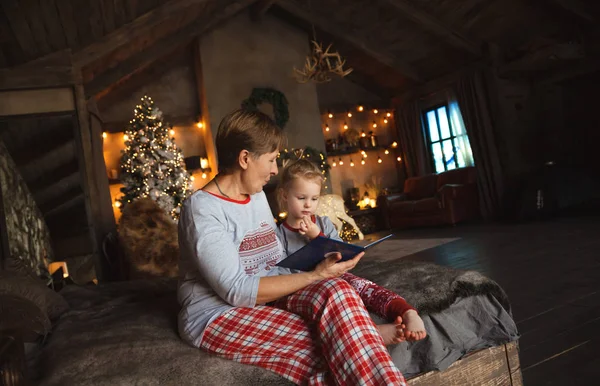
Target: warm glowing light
[
  {"x": 203, "y": 163},
  {"x": 282, "y": 214},
  {"x": 389, "y": 114},
  {"x": 329, "y": 114},
  {"x": 125, "y": 137},
  {"x": 56, "y": 265},
  {"x": 360, "y": 108},
  {"x": 334, "y": 164},
  {"x": 192, "y": 178},
  {"x": 385, "y": 120},
  {"x": 387, "y": 151},
  {"x": 326, "y": 127},
  {"x": 200, "y": 125},
  {"x": 341, "y": 162},
  {"x": 345, "y": 126},
  {"x": 117, "y": 204},
  {"x": 362, "y": 162},
  {"x": 351, "y": 163},
  {"x": 399, "y": 159},
  {"x": 374, "y": 124},
  {"x": 349, "y": 114},
  {"x": 379, "y": 160},
  {"x": 204, "y": 175},
  {"x": 104, "y": 135},
  {"x": 394, "y": 144},
  {"x": 375, "y": 111},
  {"x": 172, "y": 132}
]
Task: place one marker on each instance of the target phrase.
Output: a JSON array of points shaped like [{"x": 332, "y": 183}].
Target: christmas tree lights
[{"x": 151, "y": 164}]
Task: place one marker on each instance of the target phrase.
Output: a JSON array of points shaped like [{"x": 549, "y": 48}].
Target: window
[{"x": 447, "y": 138}]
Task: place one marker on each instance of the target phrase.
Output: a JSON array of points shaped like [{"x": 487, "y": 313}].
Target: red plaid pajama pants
[{"x": 320, "y": 335}]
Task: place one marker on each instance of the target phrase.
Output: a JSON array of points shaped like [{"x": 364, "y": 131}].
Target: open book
[{"x": 307, "y": 257}]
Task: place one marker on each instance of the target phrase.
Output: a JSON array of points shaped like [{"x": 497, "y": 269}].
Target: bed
[{"x": 124, "y": 333}]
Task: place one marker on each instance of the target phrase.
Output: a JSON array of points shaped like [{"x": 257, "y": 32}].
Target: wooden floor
[{"x": 551, "y": 273}]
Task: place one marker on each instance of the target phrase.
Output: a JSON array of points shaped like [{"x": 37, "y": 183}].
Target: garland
[{"x": 272, "y": 96}]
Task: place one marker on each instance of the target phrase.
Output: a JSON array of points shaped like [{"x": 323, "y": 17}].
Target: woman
[{"x": 315, "y": 329}]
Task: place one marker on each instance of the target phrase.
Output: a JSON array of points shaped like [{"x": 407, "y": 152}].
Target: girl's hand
[
  {"x": 330, "y": 267},
  {"x": 309, "y": 228}
]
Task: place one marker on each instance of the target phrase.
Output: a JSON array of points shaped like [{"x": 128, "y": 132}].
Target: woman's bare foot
[
  {"x": 392, "y": 333},
  {"x": 415, "y": 329}
]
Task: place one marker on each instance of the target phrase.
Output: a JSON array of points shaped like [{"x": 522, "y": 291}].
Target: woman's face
[{"x": 259, "y": 172}]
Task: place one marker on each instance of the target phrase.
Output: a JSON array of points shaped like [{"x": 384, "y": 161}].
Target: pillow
[
  {"x": 25, "y": 316},
  {"x": 53, "y": 304}
]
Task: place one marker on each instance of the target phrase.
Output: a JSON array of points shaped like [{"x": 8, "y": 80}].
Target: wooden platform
[
  {"x": 551, "y": 273},
  {"x": 493, "y": 366}
]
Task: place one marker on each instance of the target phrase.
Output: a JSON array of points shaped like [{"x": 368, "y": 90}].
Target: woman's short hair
[{"x": 246, "y": 130}]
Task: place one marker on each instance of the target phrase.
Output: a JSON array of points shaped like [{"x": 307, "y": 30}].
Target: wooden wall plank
[
  {"x": 3, "y": 60},
  {"x": 23, "y": 78},
  {"x": 96, "y": 22},
  {"x": 23, "y": 102},
  {"x": 90, "y": 189},
  {"x": 8, "y": 44},
  {"x": 431, "y": 24},
  {"x": 32, "y": 12},
  {"x": 120, "y": 13},
  {"x": 17, "y": 21},
  {"x": 140, "y": 27},
  {"x": 67, "y": 19},
  {"x": 56, "y": 36},
  {"x": 132, "y": 10},
  {"x": 108, "y": 15},
  {"x": 82, "y": 20}
]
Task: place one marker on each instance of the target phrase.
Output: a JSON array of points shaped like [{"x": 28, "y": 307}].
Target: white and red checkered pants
[{"x": 320, "y": 335}]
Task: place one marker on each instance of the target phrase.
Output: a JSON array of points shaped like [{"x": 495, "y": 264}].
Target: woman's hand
[
  {"x": 309, "y": 228},
  {"x": 331, "y": 268}
]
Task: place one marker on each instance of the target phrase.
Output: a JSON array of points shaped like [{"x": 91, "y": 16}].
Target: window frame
[{"x": 430, "y": 143}]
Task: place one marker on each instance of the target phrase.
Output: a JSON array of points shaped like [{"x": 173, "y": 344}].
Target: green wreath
[{"x": 272, "y": 96}]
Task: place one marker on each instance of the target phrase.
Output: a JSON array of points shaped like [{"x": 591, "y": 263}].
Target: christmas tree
[{"x": 151, "y": 164}]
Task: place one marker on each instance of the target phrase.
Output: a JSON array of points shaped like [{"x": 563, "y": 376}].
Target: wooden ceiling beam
[
  {"x": 327, "y": 26},
  {"x": 431, "y": 24},
  {"x": 142, "y": 60},
  {"x": 138, "y": 28}
]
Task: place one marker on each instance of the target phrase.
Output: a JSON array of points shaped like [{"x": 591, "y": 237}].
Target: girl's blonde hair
[{"x": 301, "y": 168}]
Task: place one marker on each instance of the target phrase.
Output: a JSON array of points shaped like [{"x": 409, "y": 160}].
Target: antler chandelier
[{"x": 320, "y": 64}]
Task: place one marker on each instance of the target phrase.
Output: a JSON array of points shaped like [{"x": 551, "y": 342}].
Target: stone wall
[{"x": 28, "y": 235}]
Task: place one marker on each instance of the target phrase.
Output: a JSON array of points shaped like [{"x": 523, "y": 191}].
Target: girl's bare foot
[
  {"x": 392, "y": 333},
  {"x": 415, "y": 329}
]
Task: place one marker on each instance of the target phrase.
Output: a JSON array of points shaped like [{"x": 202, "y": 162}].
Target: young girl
[{"x": 298, "y": 193}]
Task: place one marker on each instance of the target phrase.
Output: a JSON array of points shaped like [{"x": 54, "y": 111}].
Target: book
[{"x": 310, "y": 255}]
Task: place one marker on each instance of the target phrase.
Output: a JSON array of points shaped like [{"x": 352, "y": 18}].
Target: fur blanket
[
  {"x": 428, "y": 287},
  {"x": 126, "y": 333}
]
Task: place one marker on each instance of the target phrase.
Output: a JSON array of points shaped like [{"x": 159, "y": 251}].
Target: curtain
[
  {"x": 412, "y": 143},
  {"x": 462, "y": 144},
  {"x": 472, "y": 95}
]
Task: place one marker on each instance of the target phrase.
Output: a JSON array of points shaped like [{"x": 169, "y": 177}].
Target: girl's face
[
  {"x": 259, "y": 171},
  {"x": 302, "y": 197}
]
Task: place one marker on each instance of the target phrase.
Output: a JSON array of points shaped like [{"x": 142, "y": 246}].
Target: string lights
[
  {"x": 364, "y": 139},
  {"x": 151, "y": 164}
]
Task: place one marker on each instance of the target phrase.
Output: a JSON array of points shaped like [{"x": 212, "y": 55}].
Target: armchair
[{"x": 434, "y": 199}]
